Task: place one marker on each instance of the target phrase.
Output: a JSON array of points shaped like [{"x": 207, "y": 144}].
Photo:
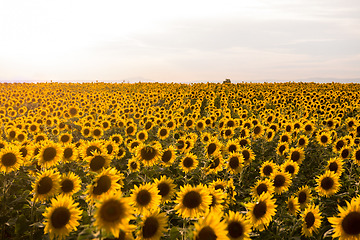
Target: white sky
[{"x": 179, "y": 42}]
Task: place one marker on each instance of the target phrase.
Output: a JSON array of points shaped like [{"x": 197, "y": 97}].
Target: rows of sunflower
[{"x": 179, "y": 161}]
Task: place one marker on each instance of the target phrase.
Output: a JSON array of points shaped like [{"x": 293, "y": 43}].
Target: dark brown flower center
[
  {"x": 211, "y": 148},
  {"x": 60, "y": 217},
  {"x": 45, "y": 185},
  {"x": 143, "y": 197},
  {"x": 351, "y": 223},
  {"x": 235, "y": 229},
  {"x": 192, "y": 199},
  {"x": 279, "y": 181},
  {"x": 327, "y": 183},
  {"x": 188, "y": 162},
  {"x": 67, "y": 185},
  {"x": 295, "y": 156},
  {"x": 103, "y": 184},
  {"x": 324, "y": 139},
  {"x": 167, "y": 155},
  {"x": 148, "y": 153},
  {"x": 234, "y": 162},
  {"x": 206, "y": 233},
  {"x": 151, "y": 226},
  {"x": 302, "y": 197},
  {"x": 309, "y": 219},
  {"x": 64, "y": 138},
  {"x": 112, "y": 210},
  {"x": 49, "y": 154},
  {"x": 91, "y": 149},
  {"x": 333, "y": 167},
  {"x": 68, "y": 153},
  {"x": 290, "y": 169},
  {"x": 260, "y": 210},
  {"x": 97, "y": 163},
  {"x": 345, "y": 153},
  {"x": 267, "y": 170},
  {"x": 261, "y": 188},
  {"x": 164, "y": 189},
  {"x": 8, "y": 159}
]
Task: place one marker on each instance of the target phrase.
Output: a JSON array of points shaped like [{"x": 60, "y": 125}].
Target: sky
[{"x": 179, "y": 41}]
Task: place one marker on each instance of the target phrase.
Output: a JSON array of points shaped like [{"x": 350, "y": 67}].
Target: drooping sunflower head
[
  {"x": 327, "y": 184},
  {"x": 145, "y": 198},
  {"x": 62, "y": 217},
  {"x": 293, "y": 205},
  {"x": 192, "y": 202}
]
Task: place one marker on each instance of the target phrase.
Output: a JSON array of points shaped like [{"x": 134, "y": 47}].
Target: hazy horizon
[{"x": 259, "y": 40}]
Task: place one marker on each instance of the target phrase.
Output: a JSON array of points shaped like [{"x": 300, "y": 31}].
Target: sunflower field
[{"x": 174, "y": 161}]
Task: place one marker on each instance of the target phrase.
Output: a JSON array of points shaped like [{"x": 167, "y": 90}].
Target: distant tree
[{"x": 227, "y": 80}]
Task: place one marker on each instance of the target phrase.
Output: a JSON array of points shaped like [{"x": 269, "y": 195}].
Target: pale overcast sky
[{"x": 186, "y": 41}]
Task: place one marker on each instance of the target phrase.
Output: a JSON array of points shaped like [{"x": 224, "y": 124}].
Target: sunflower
[
  {"x": 11, "y": 158},
  {"x": 25, "y": 154},
  {"x": 269, "y": 135},
  {"x": 308, "y": 128},
  {"x": 163, "y": 133},
  {"x": 62, "y": 217},
  {"x": 281, "y": 148},
  {"x": 293, "y": 205},
  {"x": 201, "y": 125},
  {"x": 120, "y": 153},
  {"x": 248, "y": 155},
  {"x": 117, "y": 138},
  {"x": 219, "y": 184},
  {"x": 237, "y": 226},
  {"x": 339, "y": 144},
  {"x": 311, "y": 220},
  {"x": 267, "y": 168},
  {"x": 281, "y": 181},
  {"x": 70, "y": 153},
  {"x": 113, "y": 213},
  {"x": 166, "y": 188},
  {"x": 50, "y": 154},
  {"x": 232, "y": 146},
  {"x": 205, "y": 137},
  {"x": 168, "y": 156},
  {"x": 133, "y": 165},
  {"x": 131, "y": 130},
  {"x": 212, "y": 147},
  {"x": 149, "y": 155},
  {"x": 111, "y": 148},
  {"x": 192, "y": 202},
  {"x": 97, "y": 161},
  {"x": 346, "y": 224},
  {"x": 323, "y": 139},
  {"x": 46, "y": 185},
  {"x": 261, "y": 212},
  {"x": 235, "y": 162},
  {"x": 258, "y": 131},
  {"x": 304, "y": 196},
  {"x": 327, "y": 184},
  {"x": 296, "y": 155},
  {"x": 217, "y": 199},
  {"x": 106, "y": 182},
  {"x": 290, "y": 167},
  {"x": 86, "y": 131},
  {"x": 189, "y": 162},
  {"x": 210, "y": 227},
  {"x": 70, "y": 183},
  {"x": 302, "y": 141},
  {"x": 142, "y": 135},
  {"x": 89, "y": 148},
  {"x": 345, "y": 153},
  {"x": 145, "y": 198},
  {"x": 356, "y": 155},
  {"x": 216, "y": 164},
  {"x": 335, "y": 165},
  {"x": 152, "y": 226},
  {"x": 263, "y": 186}
]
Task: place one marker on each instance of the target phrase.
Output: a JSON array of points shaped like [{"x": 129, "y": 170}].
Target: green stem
[
  {"x": 4, "y": 207},
  {"x": 32, "y": 219}
]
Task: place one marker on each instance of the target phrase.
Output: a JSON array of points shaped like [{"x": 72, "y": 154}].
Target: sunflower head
[
  {"x": 153, "y": 225},
  {"x": 327, "y": 184},
  {"x": 145, "y": 198},
  {"x": 10, "y": 158},
  {"x": 311, "y": 220}
]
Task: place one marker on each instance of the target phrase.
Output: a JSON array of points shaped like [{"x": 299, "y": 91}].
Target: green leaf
[
  {"x": 174, "y": 233},
  {"x": 21, "y": 226}
]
